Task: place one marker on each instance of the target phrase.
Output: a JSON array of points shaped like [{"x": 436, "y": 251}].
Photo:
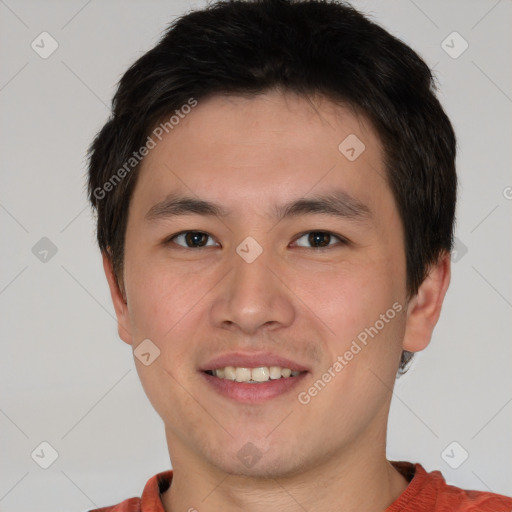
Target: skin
[{"x": 250, "y": 154}]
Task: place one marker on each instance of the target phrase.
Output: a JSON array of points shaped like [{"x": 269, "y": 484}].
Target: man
[{"x": 275, "y": 194}]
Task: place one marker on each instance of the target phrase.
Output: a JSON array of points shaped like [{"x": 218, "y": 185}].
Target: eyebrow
[{"x": 336, "y": 203}]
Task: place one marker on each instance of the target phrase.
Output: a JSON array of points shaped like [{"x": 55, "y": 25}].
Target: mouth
[
  {"x": 249, "y": 380},
  {"x": 253, "y": 375}
]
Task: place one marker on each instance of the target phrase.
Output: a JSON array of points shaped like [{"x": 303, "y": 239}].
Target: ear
[
  {"x": 424, "y": 308},
  {"x": 120, "y": 305}
]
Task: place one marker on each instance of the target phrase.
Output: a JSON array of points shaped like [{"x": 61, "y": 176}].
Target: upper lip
[{"x": 252, "y": 360}]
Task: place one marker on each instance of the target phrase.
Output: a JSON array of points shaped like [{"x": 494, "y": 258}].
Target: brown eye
[
  {"x": 192, "y": 239},
  {"x": 318, "y": 239}
]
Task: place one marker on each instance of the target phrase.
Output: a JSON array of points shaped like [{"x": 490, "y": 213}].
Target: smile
[
  {"x": 253, "y": 375},
  {"x": 252, "y": 385}
]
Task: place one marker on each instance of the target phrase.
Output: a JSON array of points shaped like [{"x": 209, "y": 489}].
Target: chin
[{"x": 252, "y": 462}]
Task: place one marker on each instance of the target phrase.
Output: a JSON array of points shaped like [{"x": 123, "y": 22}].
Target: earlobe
[
  {"x": 425, "y": 307},
  {"x": 120, "y": 305}
]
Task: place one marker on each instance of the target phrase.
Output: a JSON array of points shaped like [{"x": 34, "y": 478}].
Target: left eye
[{"x": 318, "y": 239}]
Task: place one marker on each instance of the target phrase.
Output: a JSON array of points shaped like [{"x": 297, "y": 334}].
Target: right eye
[{"x": 192, "y": 239}]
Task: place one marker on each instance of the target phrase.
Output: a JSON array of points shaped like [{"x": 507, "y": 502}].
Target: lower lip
[{"x": 253, "y": 393}]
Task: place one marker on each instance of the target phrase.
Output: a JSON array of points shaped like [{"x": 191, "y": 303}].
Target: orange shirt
[{"x": 426, "y": 492}]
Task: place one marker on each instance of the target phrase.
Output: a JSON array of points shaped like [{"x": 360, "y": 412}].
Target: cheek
[
  {"x": 160, "y": 298},
  {"x": 346, "y": 299},
  {"x": 363, "y": 307},
  {"x": 165, "y": 306}
]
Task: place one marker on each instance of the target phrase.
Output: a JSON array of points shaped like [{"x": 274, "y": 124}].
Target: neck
[{"x": 360, "y": 479}]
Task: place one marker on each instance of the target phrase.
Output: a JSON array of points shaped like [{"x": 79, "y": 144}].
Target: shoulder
[
  {"x": 428, "y": 491},
  {"x": 149, "y": 501},
  {"x": 451, "y": 498}
]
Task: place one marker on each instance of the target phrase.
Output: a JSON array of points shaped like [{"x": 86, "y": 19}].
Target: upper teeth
[{"x": 260, "y": 374}]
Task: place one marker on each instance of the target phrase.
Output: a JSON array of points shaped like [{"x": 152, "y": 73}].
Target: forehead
[
  {"x": 275, "y": 146},
  {"x": 275, "y": 118}
]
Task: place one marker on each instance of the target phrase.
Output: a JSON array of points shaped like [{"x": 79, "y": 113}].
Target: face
[{"x": 254, "y": 240}]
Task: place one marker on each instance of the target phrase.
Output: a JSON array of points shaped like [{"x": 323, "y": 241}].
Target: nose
[{"x": 253, "y": 297}]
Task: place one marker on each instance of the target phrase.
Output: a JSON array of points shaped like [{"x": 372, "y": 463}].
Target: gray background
[{"x": 66, "y": 377}]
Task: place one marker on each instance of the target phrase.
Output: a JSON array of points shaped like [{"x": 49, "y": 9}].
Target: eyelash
[{"x": 342, "y": 240}]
